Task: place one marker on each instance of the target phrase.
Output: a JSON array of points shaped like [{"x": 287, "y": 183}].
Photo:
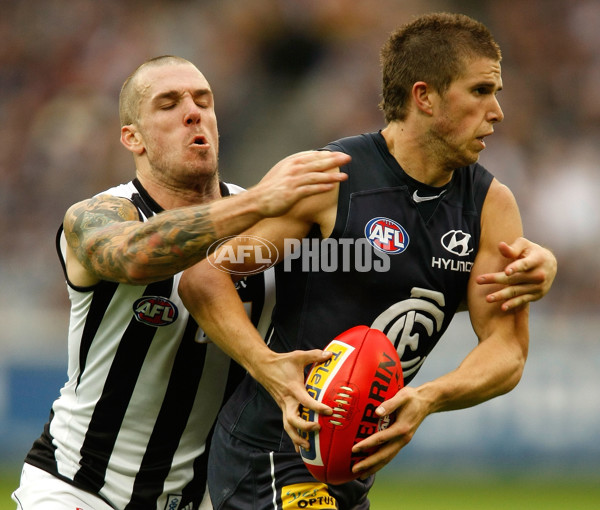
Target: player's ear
[
  {"x": 132, "y": 139},
  {"x": 421, "y": 94}
]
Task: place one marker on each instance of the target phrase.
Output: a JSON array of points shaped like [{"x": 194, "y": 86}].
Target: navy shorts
[{"x": 243, "y": 476}]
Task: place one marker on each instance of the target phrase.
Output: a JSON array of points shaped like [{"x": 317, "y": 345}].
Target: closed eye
[{"x": 484, "y": 90}]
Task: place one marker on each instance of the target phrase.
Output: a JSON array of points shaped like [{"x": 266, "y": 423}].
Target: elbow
[
  {"x": 513, "y": 380},
  {"x": 139, "y": 275},
  {"x": 516, "y": 353},
  {"x": 515, "y": 371},
  {"x": 184, "y": 289},
  {"x": 135, "y": 272},
  {"x": 195, "y": 297}
]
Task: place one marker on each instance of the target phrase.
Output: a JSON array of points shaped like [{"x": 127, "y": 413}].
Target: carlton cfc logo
[
  {"x": 155, "y": 311},
  {"x": 386, "y": 235}
]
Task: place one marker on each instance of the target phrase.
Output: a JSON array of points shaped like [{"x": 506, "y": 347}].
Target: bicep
[
  {"x": 93, "y": 229},
  {"x": 500, "y": 221}
]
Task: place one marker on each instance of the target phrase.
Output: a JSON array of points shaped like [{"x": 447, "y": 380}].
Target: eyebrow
[
  {"x": 488, "y": 84},
  {"x": 176, "y": 94}
]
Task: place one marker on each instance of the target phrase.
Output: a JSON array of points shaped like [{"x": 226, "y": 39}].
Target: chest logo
[
  {"x": 155, "y": 311},
  {"x": 418, "y": 198},
  {"x": 386, "y": 235},
  {"x": 413, "y": 326},
  {"x": 457, "y": 242}
]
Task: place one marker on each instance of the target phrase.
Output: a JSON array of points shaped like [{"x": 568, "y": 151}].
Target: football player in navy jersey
[
  {"x": 131, "y": 427},
  {"x": 451, "y": 236}
]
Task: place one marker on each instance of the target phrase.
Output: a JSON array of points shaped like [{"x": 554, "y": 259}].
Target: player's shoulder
[
  {"x": 120, "y": 194},
  {"x": 499, "y": 194},
  {"x": 114, "y": 203},
  {"x": 350, "y": 143}
]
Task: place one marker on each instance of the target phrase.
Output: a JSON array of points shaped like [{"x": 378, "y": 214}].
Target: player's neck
[
  {"x": 173, "y": 195},
  {"x": 414, "y": 156}
]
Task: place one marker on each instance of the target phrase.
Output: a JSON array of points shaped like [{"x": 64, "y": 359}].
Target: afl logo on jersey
[
  {"x": 387, "y": 235},
  {"x": 155, "y": 311}
]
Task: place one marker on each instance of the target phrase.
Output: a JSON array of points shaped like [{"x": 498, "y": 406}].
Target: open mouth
[{"x": 200, "y": 140}]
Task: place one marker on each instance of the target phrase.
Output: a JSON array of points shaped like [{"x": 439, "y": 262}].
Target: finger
[
  {"x": 374, "y": 441},
  {"x": 368, "y": 467},
  {"x": 305, "y": 399},
  {"x": 528, "y": 268},
  {"x": 316, "y": 406},
  {"x": 512, "y": 291},
  {"x": 519, "y": 248},
  {"x": 517, "y": 302},
  {"x": 303, "y": 425},
  {"x": 488, "y": 278},
  {"x": 322, "y": 160},
  {"x": 313, "y": 356},
  {"x": 296, "y": 437},
  {"x": 297, "y": 427},
  {"x": 379, "y": 459},
  {"x": 307, "y": 190},
  {"x": 316, "y": 176}
]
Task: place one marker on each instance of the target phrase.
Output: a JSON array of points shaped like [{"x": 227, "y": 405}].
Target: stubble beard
[{"x": 182, "y": 173}]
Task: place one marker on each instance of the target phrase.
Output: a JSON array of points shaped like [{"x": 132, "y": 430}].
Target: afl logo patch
[
  {"x": 155, "y": 311},
  {"x": 386, "y": 235}
]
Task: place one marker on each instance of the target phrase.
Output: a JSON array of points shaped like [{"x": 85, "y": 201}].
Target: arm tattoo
[{"x": 110, "y": 241}]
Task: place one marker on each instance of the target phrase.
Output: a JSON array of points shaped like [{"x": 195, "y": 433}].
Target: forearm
[
  {"x": 492, "y": 369},
  {"x": 211, "y": 298},
  {"x": 107, "y": 238},
  {"x": 175, "y": 240}
]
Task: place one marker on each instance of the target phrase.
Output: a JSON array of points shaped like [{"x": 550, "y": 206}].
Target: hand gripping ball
[{"x": 363, "y": 372}]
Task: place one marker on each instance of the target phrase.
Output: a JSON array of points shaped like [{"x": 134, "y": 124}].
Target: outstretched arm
[
  {"x": 107, "y": 241},
  {"x": 528, "y": 277}
]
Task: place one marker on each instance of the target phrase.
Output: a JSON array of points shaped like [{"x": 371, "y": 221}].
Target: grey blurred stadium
[{"x": 291, "y": 75}]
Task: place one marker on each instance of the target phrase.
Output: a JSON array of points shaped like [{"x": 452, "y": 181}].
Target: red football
[{"x": 363, "y": 372}]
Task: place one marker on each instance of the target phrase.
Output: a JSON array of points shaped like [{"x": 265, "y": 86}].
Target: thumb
[{"x": 315, "y": 356}]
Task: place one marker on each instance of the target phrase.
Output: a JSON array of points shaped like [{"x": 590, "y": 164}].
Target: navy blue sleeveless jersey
[{"x": 398, "y": 260}]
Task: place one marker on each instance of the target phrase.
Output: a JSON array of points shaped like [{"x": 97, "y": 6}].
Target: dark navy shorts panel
[{"x": 243, "y": 476}]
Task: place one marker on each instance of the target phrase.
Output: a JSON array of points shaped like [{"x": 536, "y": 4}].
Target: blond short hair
[{"x": 131, "y": 91}]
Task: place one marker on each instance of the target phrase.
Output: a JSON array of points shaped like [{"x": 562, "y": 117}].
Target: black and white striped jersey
[{"x": 133, "y": 422}]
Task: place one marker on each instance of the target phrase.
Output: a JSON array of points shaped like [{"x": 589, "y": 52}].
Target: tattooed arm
[{"x": 107, "y": 241}]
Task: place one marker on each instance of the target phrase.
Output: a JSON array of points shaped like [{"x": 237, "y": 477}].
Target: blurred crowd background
[{"x": 289, "y": 75}]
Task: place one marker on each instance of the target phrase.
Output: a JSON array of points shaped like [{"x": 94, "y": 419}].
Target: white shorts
[{"x": 40, "y": 490}]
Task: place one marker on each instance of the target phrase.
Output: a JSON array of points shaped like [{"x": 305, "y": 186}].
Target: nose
[
  {"x": 192, "y": 117},
  {"x": 193, "y": 113},
  {"x": 496, "y": 113}
]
